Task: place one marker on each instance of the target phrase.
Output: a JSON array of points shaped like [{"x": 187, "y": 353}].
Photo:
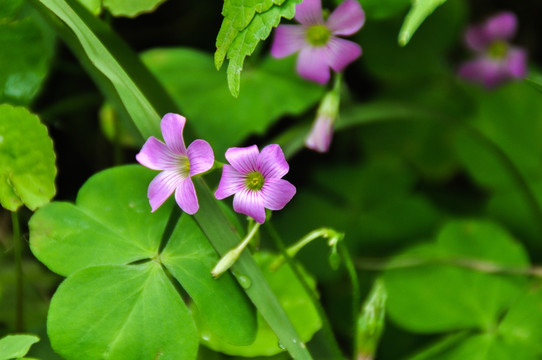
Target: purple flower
[
  {"x": 315, "y": 39},
  {"x": 256, "y": 180},
  {"x": 496, "y": 61},
  {"x": 178, "y": 164}
]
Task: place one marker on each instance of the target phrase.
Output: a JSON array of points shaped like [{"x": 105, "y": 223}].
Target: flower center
[
  {"x": 498, "y": 50},
  {"x": 255, "y": 180},
  {"x": 184, "y": 166},
  {"x": 318, "y": 35}
]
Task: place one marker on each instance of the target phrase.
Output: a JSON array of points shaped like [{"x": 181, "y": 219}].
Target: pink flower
[
  {"x": 496, "y": 60},
  {"x": 178, "y": 164},
  {"x": 315, "y": 39},
  {"x": 256, "y": 180},
  {"x": 319, "y": 138}
]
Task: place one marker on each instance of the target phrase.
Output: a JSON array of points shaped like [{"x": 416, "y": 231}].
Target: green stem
[
  {"x": 326, "y": 325},
  {"x": 231, "y": 256},
  {"x": 217, "y": 228},
  {"x": 376, "y": 264},
  {"x": 356, "y": 293},
  {"x": 18, "y": 252}
]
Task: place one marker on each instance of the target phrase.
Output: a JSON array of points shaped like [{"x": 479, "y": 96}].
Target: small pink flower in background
[
  {"x": 178, "y": 164},
  {"x": 496, "y": 61},
  {"x": 256, "y": 180},
  {"x": 316, "y": 40}
]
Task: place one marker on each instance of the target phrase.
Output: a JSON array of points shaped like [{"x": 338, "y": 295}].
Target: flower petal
[
  {"x": 321, "y": 134},
  {"x": 502, "y": 26},
  {"x": 340, "y": 53},
  {"x": 201, "y": 157},
  {"x": 309, "y": 12},
  {"x": 499, "y": 27},
  {"x": 243, "y": 159},
  {"x": 483, "y": 71},
  {"x": 250, "y": 203},
  {"x": 232, "y": 181},
  {"x": 186, "y": 198},
  {"x": 155, "y": 155},
  {"x": 347, "y": 18},
  {"x": 287, "y": 40},
  {"x": 276, "y": 193},
  {"x": 172, "y": 126},
  {"x": 161, "y": 187},
  {"x": 312, "y": 64},
  {"x": 272, "y": 163},
  {"x": 477, "y": 38},
  {"x": 516, "y": 62}
]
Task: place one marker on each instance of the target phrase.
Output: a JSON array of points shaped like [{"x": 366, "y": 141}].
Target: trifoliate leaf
[
  {"x": 419, "y": 11},
  {"x": 27, "y": 160},
  {"x": 245, "y": 24},
  {"x": 121, "y": 312}
]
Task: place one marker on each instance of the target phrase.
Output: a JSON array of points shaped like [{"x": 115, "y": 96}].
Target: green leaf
[
  {"x": 516, "y": 138},
  {"x": 121, "y": 312},
  {"x": 272, "y": 91},
  {"x": 131, "y": 8},
  {"x": 190, "y": 258},
  {"x": 110, "y": 223},
  {"x": 522, "y": 325},
  {"x": 436, "y": 298},
  {"x": 27, "y": 160},
  {"x": 476, "y": 347},
  {"x": 16, "y": 346},
  {"x": 420, "y": 10},
  {"x": 236, "y": 43},
  {"x": 22, "y": 67},
  {"x": 293, "y": 299}
]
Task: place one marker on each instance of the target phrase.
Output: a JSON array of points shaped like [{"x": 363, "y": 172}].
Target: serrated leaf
[
  {"x": 190, "y": 258},
  {"x": 16, "y": 346},
  {"x": 419, "y": 11},
  {"x": 110, "y": 223},
  {"x": 237, "y": 15},
  {"x": 121, "y": 312},
  {"x": 238, "y": 38},
  {"x": 272, "y": 91},
  {"x": 27, "y": 160}
]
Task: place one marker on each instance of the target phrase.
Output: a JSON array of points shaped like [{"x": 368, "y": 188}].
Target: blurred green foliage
[{"x": 436, "y": 183}]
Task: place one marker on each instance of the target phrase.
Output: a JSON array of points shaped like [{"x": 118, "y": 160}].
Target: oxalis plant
[{"x": 342, "y": 180}]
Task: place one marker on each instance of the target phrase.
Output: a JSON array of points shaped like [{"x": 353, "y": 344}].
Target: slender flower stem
[
  {"x": 378, "y": 264},
  {"x": 356, "y": 293},
  {"x": 326, "y": 325},
  {"x": 231, "y": 256},
  {"x": 18, "y": 252}
]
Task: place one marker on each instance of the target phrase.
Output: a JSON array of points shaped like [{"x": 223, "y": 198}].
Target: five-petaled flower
[
  {"x": 315, "y": 39},
  {"x": 256, "y": 180},
  {"x": 496, "y": 61},
  {"x": 178, "y": 164}
]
